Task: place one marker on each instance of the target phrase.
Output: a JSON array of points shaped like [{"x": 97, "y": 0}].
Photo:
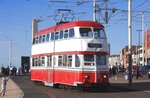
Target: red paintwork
[
  {"x": 68, "y": 77},
  {"x": 71, "y": 52},
  {"x": 69, "y": 25}
]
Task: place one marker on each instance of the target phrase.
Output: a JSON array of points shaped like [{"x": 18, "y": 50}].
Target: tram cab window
[
  {"x": 47, "y": 37},
  {"x": 56, "y": 35},
  {"x": 86, "y": 32},
  {"x": 89, "y": 57},
  {"x": 66, "y": 34},
  {"x": 89, "y": 60},
  {"x": 61, "y": 34},
  {"x": 52, "y": 36},
  {"x": 99, "y": 33},
  {"x": 71, "y": 32},
  {"x": 100, "y": 60}
]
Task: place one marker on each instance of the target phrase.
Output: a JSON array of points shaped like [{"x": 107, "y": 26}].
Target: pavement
[
  {"x": 12, "y": 90},
  {"x": 142, "y": 84}
]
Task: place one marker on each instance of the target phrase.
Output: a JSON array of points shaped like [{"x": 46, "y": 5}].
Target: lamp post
[
  {"x": 139, "y": 48},
  {"x": 130, "y": 41}
]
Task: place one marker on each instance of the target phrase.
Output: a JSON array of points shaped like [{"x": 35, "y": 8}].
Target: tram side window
[
  {"x": 86, "y": 32},
  {"x": 36, "y": 62},
  {"x": 66, "y": 34},
  {"x": 56, "y": 35},
  {"x": 69, "y": 61},
  {"x": 77, "y": 61},
  {"x": 47, "y": 37},
  {"x": 100, "y": 60},
  {"x": 49, "y": 61},
  {"x": 42, "y": 61},
  {"x": 40, "y": 39},
  {"x": 61, "y": 34},
  {"x": 33, "y": 62},
  {"x": 37, "y": 40},
  {"x": 52, "y": 36},
  {"x": 71, "y": 32},
  {"x": 64, "y": 60},
  {"x": 60, "y": 61}
]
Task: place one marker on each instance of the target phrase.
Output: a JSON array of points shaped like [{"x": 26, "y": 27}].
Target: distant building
[
  {"x": 114, "y": 60},
  {"x": 124, "y": 56},
  {"x": 147, "y": 46}
]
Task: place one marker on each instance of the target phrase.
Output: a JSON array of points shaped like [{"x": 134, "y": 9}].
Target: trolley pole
[
  {"x": 94, "y": 10},
  {"x": 130, "y": 41}
]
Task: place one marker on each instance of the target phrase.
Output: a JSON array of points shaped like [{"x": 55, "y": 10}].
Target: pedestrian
[
  {"x": 3, "y": 85},
  {"x": 137, "y": 72},
  {"x": 126, "y": 74},
  {"x": 110, "y": 72},
  {"x": 114, "y": 72}
]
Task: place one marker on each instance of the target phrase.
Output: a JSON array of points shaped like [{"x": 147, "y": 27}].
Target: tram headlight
[
  {"x": 104, "y": 76},
  {"x": 87, "y": 77}
]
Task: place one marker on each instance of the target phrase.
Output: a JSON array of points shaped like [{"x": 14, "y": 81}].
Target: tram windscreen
[
  {"x": 100, "y": 60},
  {"x": 99, "y": 33},
  {"x": 86, "y": 32}
]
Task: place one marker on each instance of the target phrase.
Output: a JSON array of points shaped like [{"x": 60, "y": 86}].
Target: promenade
[
  {"x": 12, "y": 90},
  {"x": 143, "y": 84}
]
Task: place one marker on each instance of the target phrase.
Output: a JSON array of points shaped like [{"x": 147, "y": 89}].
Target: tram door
[{"x": 49, "y": 69}]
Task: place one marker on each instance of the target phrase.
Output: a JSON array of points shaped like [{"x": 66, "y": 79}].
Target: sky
[{"x": 16, "y": 22}]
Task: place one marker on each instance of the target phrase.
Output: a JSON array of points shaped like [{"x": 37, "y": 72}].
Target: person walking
[
  {"x": 114, "y": 72},
  {"x": 3, "y": 85},
  {"x": 137, "y": 72}
]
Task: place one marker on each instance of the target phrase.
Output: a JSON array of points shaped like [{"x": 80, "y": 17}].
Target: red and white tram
[{"x": 73, "y": 54}]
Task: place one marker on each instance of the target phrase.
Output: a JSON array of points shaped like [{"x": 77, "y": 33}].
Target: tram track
[{"x": 49, "y": 91}]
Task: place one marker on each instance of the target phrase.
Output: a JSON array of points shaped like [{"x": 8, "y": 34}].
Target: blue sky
[{"x": 16, "y": 19}]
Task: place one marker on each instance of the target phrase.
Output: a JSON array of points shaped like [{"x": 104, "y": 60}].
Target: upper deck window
[
  {"x": 61, "y": 34},
  {"x": 99, "y": 33},
  {"x": 47, "y": 37},
  {"x": 56, "y": 35},
  {"x": 37, "y": 40},
  {"x": 52, "y": 36},
  {"x": 40, "y": 39},
  {"x": 71, "y": 32},
  {"x": 66, "y": 34},
  {"x": 86, "y": 32},
  {"x": 43, "y": 38}
]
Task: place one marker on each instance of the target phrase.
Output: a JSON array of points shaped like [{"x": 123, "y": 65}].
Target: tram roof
[{"x": 69, "y": 25}]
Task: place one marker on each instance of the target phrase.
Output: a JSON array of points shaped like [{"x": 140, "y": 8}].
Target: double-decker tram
[{"x": 71, "y": 54}]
